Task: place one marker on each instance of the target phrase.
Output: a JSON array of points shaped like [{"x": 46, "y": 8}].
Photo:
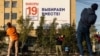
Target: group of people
[
  {"x": 13, "y": 37},
  {"x": 88, "y": 18}
]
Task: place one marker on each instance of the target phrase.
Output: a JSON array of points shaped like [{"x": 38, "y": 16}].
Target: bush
[{"x": 2, "y": 34}]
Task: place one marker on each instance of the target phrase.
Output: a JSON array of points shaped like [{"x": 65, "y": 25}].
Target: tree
[
  {"x": 40, "y": 32},
  {"x": 46, "y": 35},
  {"x": 52, "y": 33},
  {"x": 25, "y": 26},
  {"x": 93, "y": 29},
  {"x": 70, "y": 37}
]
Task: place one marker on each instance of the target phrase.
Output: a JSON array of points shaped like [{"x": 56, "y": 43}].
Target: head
[
  {"x": 94, "y": 6},
  {"x": 9, "y": 24}
]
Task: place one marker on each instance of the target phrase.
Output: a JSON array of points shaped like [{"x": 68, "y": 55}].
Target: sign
[{"x": 59, "y": 9}]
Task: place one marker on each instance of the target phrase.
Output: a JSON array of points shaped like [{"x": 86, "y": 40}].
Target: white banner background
[{"x": 34, "y": 9}]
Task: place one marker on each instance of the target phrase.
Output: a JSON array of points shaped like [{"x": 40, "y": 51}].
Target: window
[
  {"x": 14, "y": 4},
  {"x": 6, "y": 15},
  {"x": 14, "y": 15},
  {"x": 7, "y": 4}
]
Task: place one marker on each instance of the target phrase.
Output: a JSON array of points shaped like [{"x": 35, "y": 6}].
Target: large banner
[{"x": 59, "y": 9}]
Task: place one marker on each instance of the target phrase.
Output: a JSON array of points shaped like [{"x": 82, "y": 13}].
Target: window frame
[
  {"x": 6, "y": 4},
  {"x": 6, "y": 15},
  {"x": 14, "y": 15},
  {"x": 14, "y": 4}
]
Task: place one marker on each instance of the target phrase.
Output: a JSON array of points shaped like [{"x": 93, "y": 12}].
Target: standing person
[
  {"x": 88, "y": 18},
  {"x": 59, "y": 41},
  {"x": 13, "y": 36}
]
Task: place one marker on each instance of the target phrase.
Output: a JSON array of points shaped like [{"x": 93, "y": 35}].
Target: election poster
[{"x": 59, "y": 9}]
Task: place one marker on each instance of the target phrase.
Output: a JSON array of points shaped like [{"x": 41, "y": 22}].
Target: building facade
[
  {"x": 73, "y": 12},
  {"x": 11, "y": 10}
]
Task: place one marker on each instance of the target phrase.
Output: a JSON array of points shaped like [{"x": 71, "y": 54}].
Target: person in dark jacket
[
  {"x": 59, "y": 41},
  {"x": 88, "y": 18}
]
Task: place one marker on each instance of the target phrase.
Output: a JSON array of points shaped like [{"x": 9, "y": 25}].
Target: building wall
[
  {"x": 1, "y": 13},
  {"x": 10, "y": 9},
  {"x": 73, "y": 12},
  {"x": 18, "y": 10}
]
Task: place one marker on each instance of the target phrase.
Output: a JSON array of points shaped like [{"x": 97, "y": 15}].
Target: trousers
[{"x": 84, "y": 34}]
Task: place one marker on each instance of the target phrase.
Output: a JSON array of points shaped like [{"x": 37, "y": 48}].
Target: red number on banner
[{"x": 32, "y": 10}]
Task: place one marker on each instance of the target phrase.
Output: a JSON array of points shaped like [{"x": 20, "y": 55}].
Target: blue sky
[{"x": 81, "y": 4}]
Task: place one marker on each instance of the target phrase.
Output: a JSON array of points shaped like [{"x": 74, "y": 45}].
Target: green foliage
[
  {"x": 25, "y": 26},
  {"x": 70, "y": 37},
  {"x": 2, "y": 34},
  {"x": 52, "y": 32},
  {"x": 46, "y": 36},
  {"x": 40, "y": 31},
  {"x": 47, "y": 39},
  {"x": 93, "y": 29}
]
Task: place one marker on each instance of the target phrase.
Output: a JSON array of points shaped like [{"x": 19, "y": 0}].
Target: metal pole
[{"x": 11, "y": 11}]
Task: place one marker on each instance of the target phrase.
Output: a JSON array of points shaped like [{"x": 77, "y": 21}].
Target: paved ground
[
  {"x": 31, "y": 54},
  {"x": 3, "y": 52},
  {"x": 34, "y": 54}
]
